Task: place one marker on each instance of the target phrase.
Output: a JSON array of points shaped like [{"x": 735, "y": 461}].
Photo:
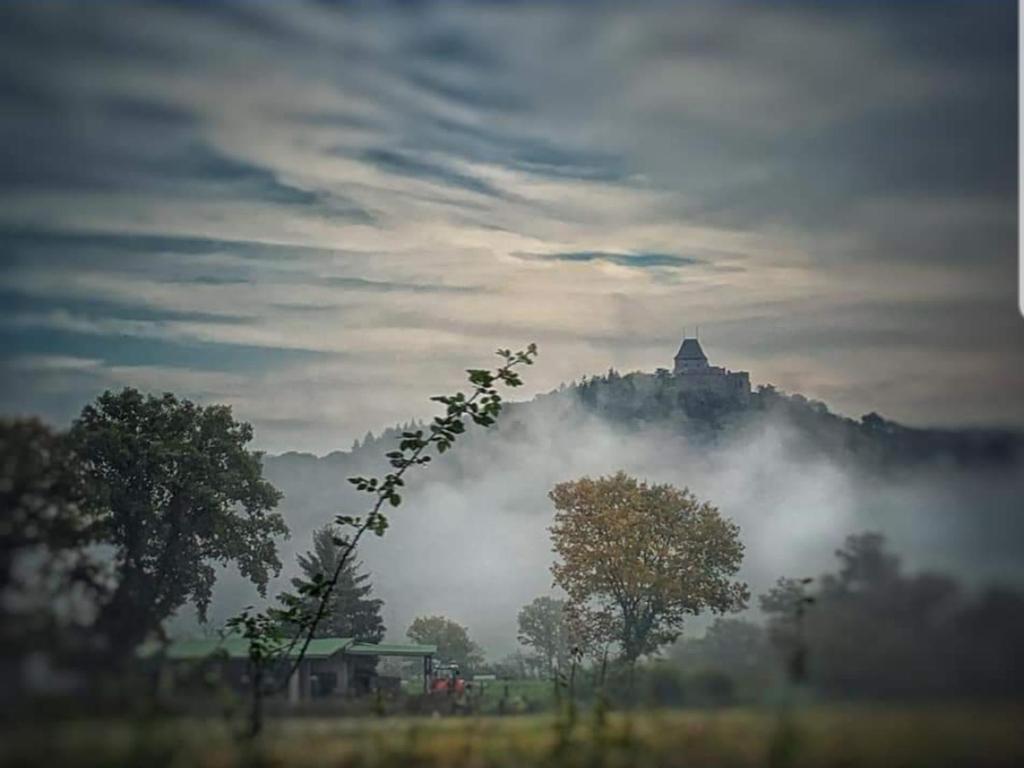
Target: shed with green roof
[{"x": 330, "y": 666}]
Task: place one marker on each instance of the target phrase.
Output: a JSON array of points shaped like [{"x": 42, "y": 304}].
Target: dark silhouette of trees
[
  {"x": 178, "y": 493},
  {"x": 875, "y": 631},
  {"x": 50, "y": 579}
]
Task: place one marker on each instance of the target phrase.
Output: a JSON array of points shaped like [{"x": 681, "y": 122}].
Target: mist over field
[{"x": 471, "y": 542}]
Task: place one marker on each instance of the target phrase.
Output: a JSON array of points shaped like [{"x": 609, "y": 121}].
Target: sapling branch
[{"x": 482, "y": 408}]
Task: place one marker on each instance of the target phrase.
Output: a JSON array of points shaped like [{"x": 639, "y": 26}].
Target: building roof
[
  {"x": 690, "y": 350},
  {"x": 390, "y": 649},
  {"x": 319, "y": 648}
]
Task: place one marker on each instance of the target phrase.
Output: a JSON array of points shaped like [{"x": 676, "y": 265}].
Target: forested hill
[
  {"x": 638, "y": 402},
  {"x": 471, "y": 540},
  {"x": 639, "y": 399}
]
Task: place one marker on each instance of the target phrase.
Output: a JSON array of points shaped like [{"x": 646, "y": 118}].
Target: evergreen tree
[{"x": 352, "y": 611}]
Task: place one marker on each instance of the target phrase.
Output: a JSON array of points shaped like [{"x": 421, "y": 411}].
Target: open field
[
  {"x": 516, "y": 696},
  {"x": 836, "y": 736}
]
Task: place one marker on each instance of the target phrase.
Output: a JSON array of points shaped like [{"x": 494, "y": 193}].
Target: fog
[{"x": 471, "y": 542}]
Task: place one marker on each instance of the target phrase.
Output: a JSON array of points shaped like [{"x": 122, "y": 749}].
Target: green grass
[
  {"x": 519, "y": 696},
  {"x": 844, "y": 737}
]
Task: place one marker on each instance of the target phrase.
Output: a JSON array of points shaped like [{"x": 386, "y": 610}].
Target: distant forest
[{"x": 638, "y": 401}]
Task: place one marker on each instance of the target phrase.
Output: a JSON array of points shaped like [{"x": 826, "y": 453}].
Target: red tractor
[
  {"x": 449, "y": 691},
  {"x": 445, "y": 678}
]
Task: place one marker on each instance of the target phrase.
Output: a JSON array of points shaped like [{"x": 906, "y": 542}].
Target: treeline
[
  {"x": 638, "y": 400},
  {"x": 113, "y": 525},
  {"x": 866, "y": 631},
  {"x": 110, "y": 527}
]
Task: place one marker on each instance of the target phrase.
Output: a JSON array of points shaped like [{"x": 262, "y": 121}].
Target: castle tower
[
  {"x": 694, "y": 374},
  {"x": 690, "y": 358}
]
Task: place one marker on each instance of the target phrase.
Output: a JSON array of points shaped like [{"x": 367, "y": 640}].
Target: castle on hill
[{"x": 695, "y": 374}]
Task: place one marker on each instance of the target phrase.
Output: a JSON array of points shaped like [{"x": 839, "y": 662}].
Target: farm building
[{"x": 332, "y": 666}]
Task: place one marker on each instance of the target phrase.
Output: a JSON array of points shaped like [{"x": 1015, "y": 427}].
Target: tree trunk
[{"x": 256, "y": 709}]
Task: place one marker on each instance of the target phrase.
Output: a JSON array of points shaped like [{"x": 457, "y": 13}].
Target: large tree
[
  {"x": 180, "y": 494},
  {"x": 636, "y": 559},
  {"x": 50, "y": 577},
  {"x": 351, "y": 612},
  {"x": 543, "y": 627},
  {"x": 47, "y": 513},
  {"x": 451, "y": 638}
]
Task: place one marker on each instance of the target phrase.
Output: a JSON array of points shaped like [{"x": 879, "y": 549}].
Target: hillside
[
  {"x": 797, "y": 477},
  {"x": 639, "y": 402}
]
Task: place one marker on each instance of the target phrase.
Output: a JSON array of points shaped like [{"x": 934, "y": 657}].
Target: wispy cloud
[
  {"x": 407, "y": 165},
  {"x": 311, "y": 191},
  {"x": 631, "y": 260}
]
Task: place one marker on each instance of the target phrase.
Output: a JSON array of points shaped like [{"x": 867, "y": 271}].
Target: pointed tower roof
[{"x": 690, "y": 350}]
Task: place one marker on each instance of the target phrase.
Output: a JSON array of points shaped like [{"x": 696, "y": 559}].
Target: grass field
[
  {"x": 515, "y": 696},
  {"x": 845, "y": 737}
]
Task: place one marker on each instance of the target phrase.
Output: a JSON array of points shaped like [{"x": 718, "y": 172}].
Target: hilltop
[{"x": 638, "y": 402}]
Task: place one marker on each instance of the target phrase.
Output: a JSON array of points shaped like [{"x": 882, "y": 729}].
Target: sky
[{"x": 321, "y": 212}]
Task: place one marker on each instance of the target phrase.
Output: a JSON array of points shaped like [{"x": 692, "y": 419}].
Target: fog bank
[{"x": 470, "y": 540}]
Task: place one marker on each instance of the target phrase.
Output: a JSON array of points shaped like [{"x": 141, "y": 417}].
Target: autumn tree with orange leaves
[{"x": 637, "y": 559}]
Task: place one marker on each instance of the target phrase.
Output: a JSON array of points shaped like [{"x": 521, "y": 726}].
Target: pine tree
[{"x": 352, "y": 611}]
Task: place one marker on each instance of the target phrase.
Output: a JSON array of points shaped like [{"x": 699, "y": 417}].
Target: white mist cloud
[{"x": 471, "y": 541}]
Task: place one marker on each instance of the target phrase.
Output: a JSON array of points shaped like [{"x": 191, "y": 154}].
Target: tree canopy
[
  {"x": 50, "y": 579},
  {"x": 636, "y": 559},
  {"x": 179, "y": 493},
  {"x": 875, "y": 630},
  {"x": 451, "y": 638},
  {"x": 351, "y": 612},
  {"x": 543, "y": 627}
]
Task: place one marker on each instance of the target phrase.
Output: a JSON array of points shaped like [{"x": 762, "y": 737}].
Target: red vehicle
[
  {"x": 445, "y": 678},
  {"x": 449, "y": 691}
]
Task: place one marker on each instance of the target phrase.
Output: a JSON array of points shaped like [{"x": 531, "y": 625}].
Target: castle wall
[
  {"x": 691, "y": 366},
  {"x": 719, "y": 382}
]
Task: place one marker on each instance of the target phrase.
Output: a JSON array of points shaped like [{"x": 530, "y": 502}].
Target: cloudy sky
[{"x": 321, "y": 213}]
